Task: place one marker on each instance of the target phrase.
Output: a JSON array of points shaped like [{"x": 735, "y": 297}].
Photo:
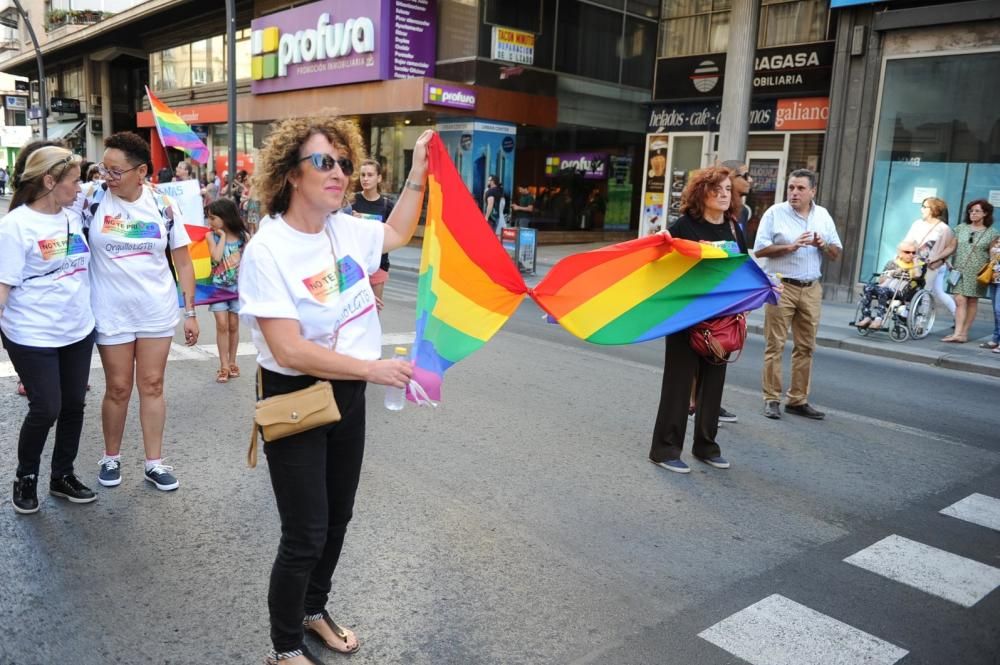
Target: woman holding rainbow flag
[{"x": 306, "y": 295}]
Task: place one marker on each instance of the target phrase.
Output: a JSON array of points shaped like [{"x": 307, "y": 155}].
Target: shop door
[
  {"x": 767, "y": 168},
  {"x": 687, "y": 154}
]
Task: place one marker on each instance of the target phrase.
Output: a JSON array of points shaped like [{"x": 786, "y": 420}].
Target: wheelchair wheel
[
  {"x": 920, "y": 318},
  {"x": 898, "y": 332},
  {"x": 864, "y": 332}
]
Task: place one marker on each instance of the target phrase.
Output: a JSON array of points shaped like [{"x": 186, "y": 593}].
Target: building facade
[{"x": 544, "y": 94}]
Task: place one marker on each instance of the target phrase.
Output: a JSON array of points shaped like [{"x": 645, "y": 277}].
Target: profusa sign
[{"x": 332, "y": 42}]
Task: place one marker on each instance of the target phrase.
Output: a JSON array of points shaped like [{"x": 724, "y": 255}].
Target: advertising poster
[
  {"x": 619, "y": 194},
  {"x": 653, "y": 215},
  {"x": 527, "y": 249},
  {"x": 480, "y": 149},
  {"x": 187, "y": 195}
]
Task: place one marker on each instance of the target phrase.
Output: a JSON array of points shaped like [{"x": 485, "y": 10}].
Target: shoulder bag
[
  {"x": 985, "y": 276},
  {"x": 717, "y": 339},
  {"x": 299, "y": 411}
]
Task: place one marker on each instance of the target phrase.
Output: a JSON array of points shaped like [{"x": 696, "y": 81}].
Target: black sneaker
[
  {"x": 70, "y": 488},
  {"x": 26, "y": 494},
  {"x": 726, "y": 416},
  {"x": 160, "y": 476},
  {"x": 804, "y": 410},
  {"x": 110, "y": 474}
]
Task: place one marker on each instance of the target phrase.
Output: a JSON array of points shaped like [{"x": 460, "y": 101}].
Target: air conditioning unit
[{"x": 94, "y": 101}]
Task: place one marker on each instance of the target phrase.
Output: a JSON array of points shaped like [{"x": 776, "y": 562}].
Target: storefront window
[
  {"x": 588, "y": 37},
  {"x": 198, "y": 63},
  {"x": 518, "y": 14},
  {"x": 640, "y": 42},
  {"x": 72, "y": 83},
  {"x": 796, "y": 22},
  {"x": 175, "y": 66},
  {"x": 938, "y": 135},
  {"x": 207, "y": 61},
  {"x": 694, "y": 26}
]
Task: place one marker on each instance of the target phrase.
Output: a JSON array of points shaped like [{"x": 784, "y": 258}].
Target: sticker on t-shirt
[
  {"x": 125, "y": 228},
  {"x": 368, "y": 215},
  {"x": 330, "y": 282},
  {"x": 730, "y": 247},
  {"x": 56, "y": 248}
]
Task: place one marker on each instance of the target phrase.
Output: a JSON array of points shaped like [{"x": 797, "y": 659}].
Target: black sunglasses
[
  {"x": 325, "y": 163},
  {"x": 745, "y": 175}
]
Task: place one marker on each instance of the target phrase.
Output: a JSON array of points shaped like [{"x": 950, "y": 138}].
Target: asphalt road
[{"x": 520, "y": 522}]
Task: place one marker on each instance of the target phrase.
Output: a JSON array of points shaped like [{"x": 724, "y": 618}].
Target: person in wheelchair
[{"x": 899, "y": 280}]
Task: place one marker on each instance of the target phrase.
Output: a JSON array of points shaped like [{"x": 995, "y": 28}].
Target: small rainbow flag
[
  {"x": 205, "y": 293},
  {"x": 174, "y": 132},
  {"x": 468, "y": 287},
  {"x": 647, "y": 288}
]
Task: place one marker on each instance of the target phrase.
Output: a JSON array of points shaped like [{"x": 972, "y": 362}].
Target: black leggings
[
  {"x": 55, "y": 380},
  {"x": 315, "y": 477}
]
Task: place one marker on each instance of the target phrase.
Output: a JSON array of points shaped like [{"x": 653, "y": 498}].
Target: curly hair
[
  {"x": 987, "y": 209},
  {"x": 702, "y": 185},
  {"x": 279, "y": 157},
  {"x": 134, "y": 146}
]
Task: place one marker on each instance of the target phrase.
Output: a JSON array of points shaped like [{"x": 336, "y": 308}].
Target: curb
[{"x": 944, "y": 361}]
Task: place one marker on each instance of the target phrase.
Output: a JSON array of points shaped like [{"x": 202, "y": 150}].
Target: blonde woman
[
  {"x": 44, "y": 278},
  {"x": 306, "y": 295},
  {"x": 935, "y": 242}
]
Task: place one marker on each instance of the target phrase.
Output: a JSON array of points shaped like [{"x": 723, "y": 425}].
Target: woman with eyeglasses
[
  {"x": 974, "y": 235},
  {"x": 44, "y": 278},
  {"x": 306, "y": 295},
  {"x": 132, "y": 229},
  {"x": 935, "y": 245}
]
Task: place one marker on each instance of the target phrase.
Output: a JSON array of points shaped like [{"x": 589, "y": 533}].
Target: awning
[{"x": 60, "y": 130}]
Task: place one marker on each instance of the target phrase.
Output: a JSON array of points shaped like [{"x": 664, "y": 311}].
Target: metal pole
[
  {"x": 738, "y": 84},
  {"x": 41, "y": 70},
  {"x": 231, "y": 81}
]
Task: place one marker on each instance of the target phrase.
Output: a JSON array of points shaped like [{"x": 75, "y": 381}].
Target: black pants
[
  {"x": 680, "y": 366},
  {"x": 315, "y": 477},
  {"x": 55, "y": 380}
]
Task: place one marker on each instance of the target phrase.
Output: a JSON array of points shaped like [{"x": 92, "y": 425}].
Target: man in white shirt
[{"x": 794, "y": 236}]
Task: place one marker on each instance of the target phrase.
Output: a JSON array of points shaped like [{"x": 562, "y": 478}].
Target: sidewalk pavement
[{"x": 834, "y": 331}]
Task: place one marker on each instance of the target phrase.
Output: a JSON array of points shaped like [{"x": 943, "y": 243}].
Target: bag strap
[{"x": 252, "y": 452}]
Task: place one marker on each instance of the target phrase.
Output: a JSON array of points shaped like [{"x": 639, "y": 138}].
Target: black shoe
[
  {"x": 804, "y": 410},
  {"x": 771, "y": 410},
  {"x": 69, "y": 487},
  {"x": 26, "y": 494}
]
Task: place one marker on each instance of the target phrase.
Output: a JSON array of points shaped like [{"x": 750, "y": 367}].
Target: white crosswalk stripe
[
  {"x": 779, "y": 631},
  {"x": 929, "y": 569},
  {"x": 978, "y": 509}
]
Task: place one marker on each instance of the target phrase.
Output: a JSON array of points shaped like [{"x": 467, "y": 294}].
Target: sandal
[
  {"x": 996, "y": 350},
  {"x": 222, "y": 375},
  {"x": 341, "y": 633},
  {"x": 989, "y": 345},
  {"x": 234, "y": 371},
  {"x": 275, "y": 658}
]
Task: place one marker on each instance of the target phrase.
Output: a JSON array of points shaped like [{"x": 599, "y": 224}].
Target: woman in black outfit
[{"x": 705, "y": 218}]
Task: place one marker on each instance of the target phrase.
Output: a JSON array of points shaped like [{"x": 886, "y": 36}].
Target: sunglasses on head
[{"x": 325, "y": 163}]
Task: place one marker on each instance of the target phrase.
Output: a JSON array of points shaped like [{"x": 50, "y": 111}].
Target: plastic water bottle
[{"x": 395, "y": 397}]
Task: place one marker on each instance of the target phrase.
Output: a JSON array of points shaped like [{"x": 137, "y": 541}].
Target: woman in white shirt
[
  {"x": 306, "y": 296},
  {"x": 135, "y": 299},
  {"x": 45, "y": 318},
  {"x": 935, "y": 243}
]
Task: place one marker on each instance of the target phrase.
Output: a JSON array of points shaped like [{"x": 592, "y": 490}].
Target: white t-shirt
[
  {"x": 133, "y": 289},
  {"x": 288, "y": 274},
  {"x": 927, "y": 235},
  {"x": 49, "y": 304}
]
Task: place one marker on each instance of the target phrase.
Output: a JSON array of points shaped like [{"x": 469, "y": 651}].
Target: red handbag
[{"x": 717, "y": 339}]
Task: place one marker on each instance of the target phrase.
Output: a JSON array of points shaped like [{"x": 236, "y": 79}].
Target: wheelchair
[{"x": 907, "y": 315}]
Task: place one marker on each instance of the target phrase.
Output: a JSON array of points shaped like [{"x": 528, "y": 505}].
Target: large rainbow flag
[
  {"x": 647, "y": 288},
  {"x": 623, "y": 294},
  {"x": 205, "y": 293},
  {"x": 174, "y": 132},
  {"x": 468, "y": 286}
]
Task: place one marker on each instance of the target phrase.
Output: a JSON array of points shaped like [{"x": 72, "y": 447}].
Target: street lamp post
[
  {"x": 41, "y": 69},
  {"x": 231, "y": 86}
]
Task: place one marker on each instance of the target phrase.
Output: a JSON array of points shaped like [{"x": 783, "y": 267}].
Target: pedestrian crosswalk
[{"x": 779, "y": 631}]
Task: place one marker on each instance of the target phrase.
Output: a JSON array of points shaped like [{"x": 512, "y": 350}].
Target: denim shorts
[{"x": 226, "y": 306}]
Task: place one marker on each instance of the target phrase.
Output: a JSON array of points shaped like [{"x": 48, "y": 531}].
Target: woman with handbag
[
  {"x": 705, "y": 203},
  {"x": 935, "y": 244},
  {"x": 306, "y": 295},
  {"x": 974, "y": 234},
  {"x": 993, "y": 275}
]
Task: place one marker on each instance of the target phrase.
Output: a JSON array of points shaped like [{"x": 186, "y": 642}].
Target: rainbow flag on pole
[
  {"x": 468, "y": 286},
  {"x": 174, "y": 132},
  {"x": 647, "y": 288}
]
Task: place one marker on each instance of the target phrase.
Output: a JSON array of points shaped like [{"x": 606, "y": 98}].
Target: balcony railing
[{"x": 57, "y": 18}]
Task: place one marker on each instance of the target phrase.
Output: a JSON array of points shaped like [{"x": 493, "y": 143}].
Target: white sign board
[
  {"x": 512, "y": 45},
  {"x": 187, "y": 195},
  {"x": 994, "y": 198},
  {"x": 921, "y": 193}
]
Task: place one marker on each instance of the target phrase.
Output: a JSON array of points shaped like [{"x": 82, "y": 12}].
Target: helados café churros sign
[{"x": 332, "y": 42}]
